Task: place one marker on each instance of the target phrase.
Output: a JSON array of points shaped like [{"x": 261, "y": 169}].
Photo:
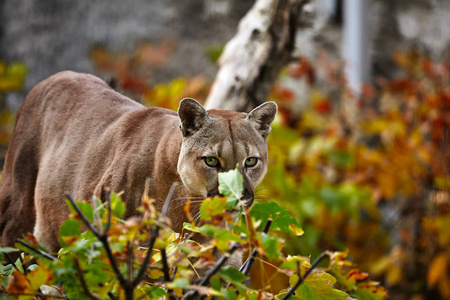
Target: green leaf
[
  {"x": 318, "y": 285},
  {"x": 84, "y": 207},
  {"x": 157, "y": 293},
  {"x": 229, "y": 294},
  {"x": 281, "y": 218},
  {"x": 305, "y": 292},
  {"x": 212, "y": 231},
  {"x": 271, "y": 245},
  {"x": 215, "y": 283},
  {"x": 291, "y": 263},
  {"x": 331, "y": 197},
  {"x": 117, "y": 206},
  {"x": 235, "y": 277},
  {"x": 69, "y": 232},
  {"x": 182, "y": 283},
  {"x": 293, "y": 297},
  {"x": 70, "y": 227},
  {"x": 232, "y": 274},
  {"x": 100, "y": 207},
  {"x": 342, "y": 158},
  {"x": 231, "y": 185},
  {"x": 8, "y": 249}
]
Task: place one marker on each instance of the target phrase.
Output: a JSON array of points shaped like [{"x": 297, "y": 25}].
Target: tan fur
[{"x": 76, "y": 135}]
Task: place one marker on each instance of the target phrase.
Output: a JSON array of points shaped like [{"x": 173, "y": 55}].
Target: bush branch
[
  {"x": 301, "y": 278},
  {"x": 155, "y": 233},
  {"x": 10, "y": 260},
  {"x": 44, "y": 254},
  {"x": 83, "y": 217},
  {"x": 108, "y": 201},
  {"x": 104, "y": 240},
  {"x": 245, "y": 269},
  {"x": 86, "y": 290},
  {"x": 191, "y": 294},
  {"x": 165, "y": 269}
]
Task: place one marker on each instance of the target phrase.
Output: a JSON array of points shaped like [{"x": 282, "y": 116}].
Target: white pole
[{"x": 356, "y": 46}]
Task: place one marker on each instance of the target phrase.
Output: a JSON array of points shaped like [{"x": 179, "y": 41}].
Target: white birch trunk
[{"x": 253, "y": 58}]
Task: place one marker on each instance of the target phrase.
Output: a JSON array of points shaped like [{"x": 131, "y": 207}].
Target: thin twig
[
  {"x": 104, "y": 240},
  {"x": 23, "y": 265},
  {"x": 112, "y": 260},
  {"x": 168, "y": 199},
  {"x": 155, "y": 233},
  {"x": 46, "y": 255},
  {"x": 130, "y": 261},
  {"x": 41, "y": 295},
  {"x": 108, "y": 201},
  {"x": 192, "y": 294},
  {"x": 165, "y": 268},
  {"x": 10, "y": 260},
  {"x": 301, "y": 278},
  {"x": 112, "y": 296},
  {"x": 245, "y": 269},
  {"x": 97, "y": 221},
  {"x": 83, "y": 217}
]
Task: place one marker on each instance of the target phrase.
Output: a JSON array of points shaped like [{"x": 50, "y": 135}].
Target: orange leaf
[
  {"x": 19, "y": 284},
  {"x": 437, "y": 268},
  {"x": 354, "y": 275}
]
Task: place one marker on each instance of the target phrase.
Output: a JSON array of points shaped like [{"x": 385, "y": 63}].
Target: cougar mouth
[{"x": 247, "y": 201}]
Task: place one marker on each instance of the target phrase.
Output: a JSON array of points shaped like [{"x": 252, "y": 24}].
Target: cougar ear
[
  {"x": 192, "y": 116},
  {"x": 262, "y": 116}
]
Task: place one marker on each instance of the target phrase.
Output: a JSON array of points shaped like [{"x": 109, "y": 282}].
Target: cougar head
[{"x": 217, "y": 140}]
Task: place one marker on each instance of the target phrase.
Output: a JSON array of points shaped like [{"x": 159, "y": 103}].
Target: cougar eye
[
  {"x": 251, "y": 162},
  {"x": 211, "y": 161}
]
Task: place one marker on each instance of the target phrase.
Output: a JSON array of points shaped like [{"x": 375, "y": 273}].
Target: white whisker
[
  {"x": 183, "y": 204},
  {"x": 186, "y": 198}
]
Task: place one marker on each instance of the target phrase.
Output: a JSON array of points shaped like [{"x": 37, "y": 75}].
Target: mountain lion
[{"x": 74, "y": 134}]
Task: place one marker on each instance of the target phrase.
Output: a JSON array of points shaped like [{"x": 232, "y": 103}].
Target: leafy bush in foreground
[{"x": 141, "y": 258}]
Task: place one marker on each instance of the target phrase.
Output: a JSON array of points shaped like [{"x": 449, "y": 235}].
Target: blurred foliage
[
  {"x": 85, "y": 269},
  {"x": 369, "y": 174},
  {"x": 132, "y": 73},
  {"x": 12, "y": 77}
]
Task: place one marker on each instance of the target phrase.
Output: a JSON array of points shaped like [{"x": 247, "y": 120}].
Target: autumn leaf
[
  {"x": 437, "y": 268},
  {"x": 212, "y": 206}
]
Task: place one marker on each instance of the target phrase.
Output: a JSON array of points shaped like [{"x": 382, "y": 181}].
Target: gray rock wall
[{"x": 54, "y": 35}]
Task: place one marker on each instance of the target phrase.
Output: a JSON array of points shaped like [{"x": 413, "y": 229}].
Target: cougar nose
[{"x": 247, "y": 198}]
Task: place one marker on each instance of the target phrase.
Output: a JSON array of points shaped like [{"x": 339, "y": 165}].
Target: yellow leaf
[
  {"x": 39, "y": 276},
  {"x": 155, "y": 274},
  {"x": 394, "y": 275},
  {"x": 298, "y": 231},
  {"x": 437, "y": 268}
]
